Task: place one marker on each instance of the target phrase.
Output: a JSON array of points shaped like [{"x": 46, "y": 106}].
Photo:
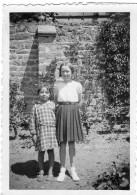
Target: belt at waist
[
  {"x": 42, "y": 123},
  {"x": 67, "y": 103}
]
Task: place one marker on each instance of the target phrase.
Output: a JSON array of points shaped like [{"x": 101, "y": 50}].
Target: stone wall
[{"x": 75, "y": 41}]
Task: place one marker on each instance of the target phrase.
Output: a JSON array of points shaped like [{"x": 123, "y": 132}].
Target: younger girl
[
  {"x": 68, "y": 97},
  {"x": 43, "y": 127}
]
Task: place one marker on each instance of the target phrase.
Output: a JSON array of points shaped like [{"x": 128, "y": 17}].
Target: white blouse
[{"x": 68, "y": 92}]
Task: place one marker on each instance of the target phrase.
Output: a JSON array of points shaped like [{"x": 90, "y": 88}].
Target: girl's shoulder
[
  {"x": 51, "y": 104},
  {"x": 76, "y": 83},
  {"x": 58, "y": 85},
  {"x": 35, "y": 106},
  {"x": 59, "y": 82},
  {"x": 77, "y": 86},
  {"x": 37, "y": 103}
]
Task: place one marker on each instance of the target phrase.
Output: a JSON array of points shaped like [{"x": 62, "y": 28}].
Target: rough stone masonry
[{"x": 35, "y": 47}]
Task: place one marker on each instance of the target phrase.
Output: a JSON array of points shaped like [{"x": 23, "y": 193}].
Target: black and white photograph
[{"x": 68, "y": 77}]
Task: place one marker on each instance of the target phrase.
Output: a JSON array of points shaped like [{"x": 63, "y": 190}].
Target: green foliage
[
  {"x": 116, "y": 178},
  {"x": 103, "y": 127},
  {"x": 114, "y": 41},
  {"x": 30, "y": 16},
  {"x": 72, "y": 55},
  {"x": 49, "y": 77},
  {"x": 25, "y": 121},
  {"x": 72, "y": 52},
  {"x": 17, "y": 106},
  {"x": 117, "y": 114}
]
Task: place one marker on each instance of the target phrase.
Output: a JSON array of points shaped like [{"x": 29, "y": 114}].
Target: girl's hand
[
  {"x": 34, "y": 138},
  {"x": 80, "y": 100},
  {"x": 79, "y": 105},
  {"x": 32, "y": 132},
  {"x": 56, "y": 107}
]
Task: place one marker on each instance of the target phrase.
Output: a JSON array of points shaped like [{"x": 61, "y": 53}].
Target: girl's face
[
  {"x": 44, "y": 94},
  {"x": 66, "y": 73}
]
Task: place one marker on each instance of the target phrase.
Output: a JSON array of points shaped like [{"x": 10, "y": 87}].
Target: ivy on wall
[
  {"x": 31, "y": 16},
  {"x": 49, "y": 77},
  {"x": 114, "y": 42},
  {"x": 17, "y": 106},
  {"x": 85, "y": 74}
]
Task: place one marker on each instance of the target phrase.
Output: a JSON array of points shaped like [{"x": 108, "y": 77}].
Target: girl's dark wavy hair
[
  {"x": 42, "y": 85},
  {"x": 66, "y": 64}
]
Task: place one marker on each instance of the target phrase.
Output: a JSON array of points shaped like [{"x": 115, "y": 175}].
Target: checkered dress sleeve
[
  {"x": 52, "y": 105},
  {"x": 33, "y": 121}
]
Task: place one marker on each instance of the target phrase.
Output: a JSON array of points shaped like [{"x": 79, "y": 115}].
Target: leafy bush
[
  {"x": 49, "y": 77},
  {"x": 31, "y": 16},
  {"x": 17, "y": 106},
  {"x": 25, "y": 121},
  {"x": 116, "y": 178},
  {"x": 114, "y": 43}
]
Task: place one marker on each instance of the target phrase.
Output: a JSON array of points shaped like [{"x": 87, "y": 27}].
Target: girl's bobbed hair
[{"x": 66, "y": 64}]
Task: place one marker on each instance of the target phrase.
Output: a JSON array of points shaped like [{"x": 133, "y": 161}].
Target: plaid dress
[{"x": 43, "y": 123}]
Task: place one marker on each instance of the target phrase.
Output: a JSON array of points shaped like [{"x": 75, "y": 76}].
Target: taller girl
[{"x": 68, "y": 99}]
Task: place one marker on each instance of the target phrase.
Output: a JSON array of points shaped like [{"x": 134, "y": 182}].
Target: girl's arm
[
  {"x": 55, "y": 99},
  {"x": 33, "y": 122},
  {"x": 56, "y": 103},
  {"x": 79, "y": 94},
  {"x": 80, "y": 99},
  {"x": 55, "y": 96}
]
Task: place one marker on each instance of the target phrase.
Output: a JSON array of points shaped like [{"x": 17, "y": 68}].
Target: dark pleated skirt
[{"x": 68, "y": 123}]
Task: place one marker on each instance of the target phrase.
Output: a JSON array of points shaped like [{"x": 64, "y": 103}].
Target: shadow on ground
[
  {"x": 30, "y": 168},
  {"x": 114, "y": 131},
  {"x": 103, "y": 132}
]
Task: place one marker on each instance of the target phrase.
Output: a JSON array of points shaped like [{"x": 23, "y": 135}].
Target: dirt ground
[{"x": 93, "y": 157}]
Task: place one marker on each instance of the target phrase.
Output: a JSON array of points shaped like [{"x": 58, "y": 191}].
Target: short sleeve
[
  {"x": 52, "y": 105},
  {"x": 79, "y": 88}
]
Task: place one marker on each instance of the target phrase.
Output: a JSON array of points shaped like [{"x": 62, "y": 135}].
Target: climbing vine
[
  {"x": 17, "y": 106},
  {"x": 114, "y": 42},
  {"x": 31, "y": 16}
]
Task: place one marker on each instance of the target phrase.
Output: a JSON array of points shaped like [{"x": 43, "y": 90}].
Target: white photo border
[{"x": 88, "y": 7}]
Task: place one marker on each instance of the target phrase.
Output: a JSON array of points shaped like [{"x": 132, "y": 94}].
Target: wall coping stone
[{"x": 46, "y": 30}]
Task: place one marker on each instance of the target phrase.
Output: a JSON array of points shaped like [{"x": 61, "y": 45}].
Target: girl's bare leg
[
  {"x": 71, "y": 156},
  {"x": 71, "y": 152},
  {"x": 51, "y": 160},
  {"x": 63, "y": 153},
  {"x": 41, "y": 161},
  {"x": 61, "y": 176}
]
